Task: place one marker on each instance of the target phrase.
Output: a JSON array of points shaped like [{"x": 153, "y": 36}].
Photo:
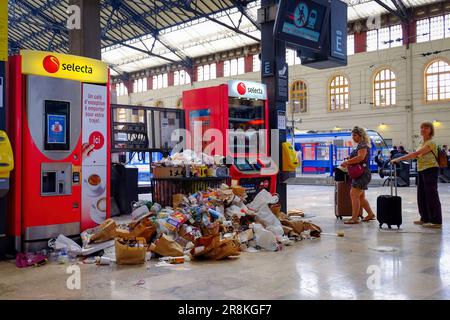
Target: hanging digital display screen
[{"x": 302, "y": 23}]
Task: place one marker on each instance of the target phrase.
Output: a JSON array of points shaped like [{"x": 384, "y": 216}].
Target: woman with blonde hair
[
  {"x": 360, "y": 156},
  {"x": 428, "y": 172}
]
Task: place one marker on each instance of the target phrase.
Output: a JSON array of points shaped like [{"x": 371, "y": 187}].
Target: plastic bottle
[
  {"x": 173, "y": 260},
  {"x": 215, "y": 214},
  {"x": 156, "y": 208},
  {"x": 205, "y": 220}
]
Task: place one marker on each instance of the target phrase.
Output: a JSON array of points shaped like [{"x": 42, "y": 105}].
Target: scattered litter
[
  {"x": 139, "y": 283},
  {"x": 164, "y": 264},
  {"x": 24, "y": 260},
  {"x": 90, "y": 260},
  {"x": 295, "y": 212},
  {"x": 337, "y": 234},
  {"x": 383, "y": 249},
  {"x": 96, "y": 247},
  {"x": 173, "y": 260},
  {"x": 103, "y": 261},
  {"x": 216, "y": 224}
]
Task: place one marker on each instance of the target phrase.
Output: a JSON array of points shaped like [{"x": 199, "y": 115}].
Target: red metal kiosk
[
  {"x": 230, "y": 107},
  {"x": 58, "y": 116}
]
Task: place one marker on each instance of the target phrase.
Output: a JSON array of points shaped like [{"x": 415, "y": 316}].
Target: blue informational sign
[{"x": 56, "y": 126}]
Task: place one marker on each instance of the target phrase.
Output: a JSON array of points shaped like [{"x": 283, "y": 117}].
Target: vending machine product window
[
  {"x": 57, "y": 125},
  {"x": 247, "y": 115}
]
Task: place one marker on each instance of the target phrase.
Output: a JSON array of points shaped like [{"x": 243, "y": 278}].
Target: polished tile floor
[{"x": 355, "y": 266}]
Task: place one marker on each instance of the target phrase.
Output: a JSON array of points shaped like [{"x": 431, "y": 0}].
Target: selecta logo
[
  {"x": 51, "y": 64},
  {"x": 241, "y": 88}
]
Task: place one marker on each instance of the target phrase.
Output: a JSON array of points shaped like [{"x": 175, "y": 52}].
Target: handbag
[
  {"x": 355, "y": 170},
  {"x": 441, "y": 158}
]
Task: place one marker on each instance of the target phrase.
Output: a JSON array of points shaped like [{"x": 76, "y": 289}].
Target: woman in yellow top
[{"x": 428, "y": 169}]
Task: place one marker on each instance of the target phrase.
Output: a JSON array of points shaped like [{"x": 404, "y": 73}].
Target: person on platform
[
  {"x": 360, "y": 155},
  {"x": 402, "y": 150},
  {"x": 428, "y": 172},
  {"x": 393, "y": 152}
]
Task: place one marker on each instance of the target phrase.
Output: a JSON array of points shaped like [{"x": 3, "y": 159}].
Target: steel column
[{"x": 274, "y": 52}]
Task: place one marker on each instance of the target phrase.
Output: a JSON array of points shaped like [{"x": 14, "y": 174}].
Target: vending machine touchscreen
[{"x": 57, "y": 125}]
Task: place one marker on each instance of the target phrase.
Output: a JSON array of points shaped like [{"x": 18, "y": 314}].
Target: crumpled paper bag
[{"x": 167, "y": 247}]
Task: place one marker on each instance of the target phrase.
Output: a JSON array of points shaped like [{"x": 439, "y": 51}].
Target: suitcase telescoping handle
[{"x": 394, "y": 182}]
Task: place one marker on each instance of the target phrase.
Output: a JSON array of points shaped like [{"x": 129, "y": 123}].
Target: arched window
[
  {"x": 299, "y": 97},
  {"x": 437, "y": 81},
  {"x": 384, "y": 88},
  {"x": 339, "y": 93}
]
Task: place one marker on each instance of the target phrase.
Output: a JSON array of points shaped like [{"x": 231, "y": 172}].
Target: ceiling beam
[
  {"x": 402, "y": 9},
  {"x": 124, "y": 76},
  {"x": 150, "y": 29},
  {"x": 207, "y": 16},
  {"x": 140, "y": 50},
  {"x": 39, "y": 13},
  {"x": 243, "y": 10},
  {"x": 397, "y": 13}
]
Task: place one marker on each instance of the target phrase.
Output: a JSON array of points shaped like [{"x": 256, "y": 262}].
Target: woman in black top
[{"x": 360, "y": 155}]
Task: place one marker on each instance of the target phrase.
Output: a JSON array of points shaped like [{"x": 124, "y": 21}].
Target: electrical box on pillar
[
  {"x": 6, "y": 163},
  {"x": 290, "y": 160}
]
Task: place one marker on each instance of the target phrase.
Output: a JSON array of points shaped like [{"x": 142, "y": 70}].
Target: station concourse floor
[{"x": 326, "y": 268}]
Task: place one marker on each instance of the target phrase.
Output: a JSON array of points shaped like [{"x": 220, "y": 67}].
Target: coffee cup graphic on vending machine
[
  {"x": 94, "y": 183},
  {"x": 98, "y": 210}
]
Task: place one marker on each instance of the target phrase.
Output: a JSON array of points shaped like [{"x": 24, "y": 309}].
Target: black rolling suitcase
[{"x": 389, "y": 207}]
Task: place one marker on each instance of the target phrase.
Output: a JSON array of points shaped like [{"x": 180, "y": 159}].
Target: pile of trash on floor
[{"x": 213, "y": 224}]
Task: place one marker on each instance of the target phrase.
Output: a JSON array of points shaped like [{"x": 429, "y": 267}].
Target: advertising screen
[
  {"x": 56, "y": 128},
  {"x": 57, "y": 125},
  {"x": 302, "y": 23}
]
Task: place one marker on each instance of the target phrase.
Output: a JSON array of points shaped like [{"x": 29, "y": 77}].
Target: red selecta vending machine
[
  {"x": 230, "y": 107},
  {"x": 58, "y": 115}
]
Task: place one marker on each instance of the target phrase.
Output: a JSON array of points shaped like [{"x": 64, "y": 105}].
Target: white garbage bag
[
  {"x": 63, "y": 242},
  {"x": 234, "y": 211},
  {"x": 262, "y": 198},
  {"x": 271, "y": 222},
  {"x": 264, "y": 238}
]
